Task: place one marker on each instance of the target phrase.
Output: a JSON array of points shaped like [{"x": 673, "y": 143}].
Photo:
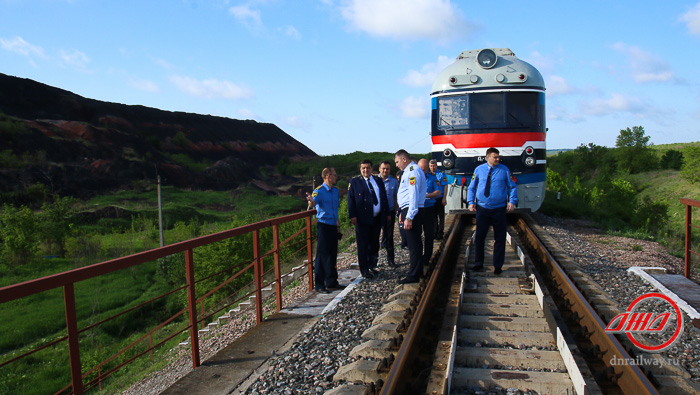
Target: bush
[{"x": 18, "y": 229}]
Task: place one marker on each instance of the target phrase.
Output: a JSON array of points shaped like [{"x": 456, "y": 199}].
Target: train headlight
[
  {"x": 529, "y": 161},
  {"x": 446, "y": 153},
  {"x": 529, "y": 150},
  {"x": 486, "y": 58},
  {"x": 447, "y": 163}
]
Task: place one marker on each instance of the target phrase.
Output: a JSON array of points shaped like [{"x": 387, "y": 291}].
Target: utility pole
[{"x": 160, "y": 214}]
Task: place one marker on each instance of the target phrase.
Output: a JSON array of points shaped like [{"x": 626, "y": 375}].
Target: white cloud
[
  {"x": 246, "y": 15},
  {"x": 18, "y": 45},
  {"x": 692, "y": 19},
  {"x": 558, "y": 113},
  {"x": 414, "y": 107},
  {"x": 438, "y": 20},
  {"x": 74, "y": 58},
  {"x": 557, "y": 85},
  {"x": 245, "y": 113},
  {"x": 296, "y": 122},
  {"x": 646, "y": 66},
  {"x": 427, "y": 74},
  {"x": 616, "y": 103},
  {"x": 211, "y": 88},
  {"x": 292, "y": 32},
  {"x": 144, "y": 85}
]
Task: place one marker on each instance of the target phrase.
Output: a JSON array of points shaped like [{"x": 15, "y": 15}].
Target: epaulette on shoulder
[{"x": 318, "y": 187}]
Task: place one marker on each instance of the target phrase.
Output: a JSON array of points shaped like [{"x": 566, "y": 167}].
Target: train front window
[
  {"x": 490, "y": 110},
  {"x": 452, "y": 112},
  {"x": 523, "y": 109}
]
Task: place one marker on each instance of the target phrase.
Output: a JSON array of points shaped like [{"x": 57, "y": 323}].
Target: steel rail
[
  {"x": 400, "y": 374},
  {"x": 631, "y": 379}
]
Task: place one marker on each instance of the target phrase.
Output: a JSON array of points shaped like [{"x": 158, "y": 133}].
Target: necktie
[
  {"x": 375, "y": 201},
  {"x": 487, "y": 189}
]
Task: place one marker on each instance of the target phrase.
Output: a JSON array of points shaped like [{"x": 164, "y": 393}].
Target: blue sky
[{"x": 355, "y": 75}]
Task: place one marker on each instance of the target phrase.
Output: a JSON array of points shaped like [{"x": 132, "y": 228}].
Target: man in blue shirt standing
[
  {"x": 431, "y": 192},
  {"x": 391, "y": 185},
  {"x": 325, "y": 198},
  {"x": 411, "y": 201},
  {"x": 439, "y": 205},
  {"x": 491, "y": 194}
]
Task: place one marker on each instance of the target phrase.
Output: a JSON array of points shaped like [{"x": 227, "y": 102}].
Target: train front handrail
[
  {"x": 68, "y": 279},
  {"x": 689, "y": 204}
]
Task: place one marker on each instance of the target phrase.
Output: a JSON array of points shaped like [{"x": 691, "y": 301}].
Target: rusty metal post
[
  {"x": 192, "y": 307},
  {"x": 73, "y": 341},
  {"x": 278, "y": 268},
  {"x": 309, "y": 253},
  {"x": 258, "y": 276},
  {"x": 688, "y": 233}
]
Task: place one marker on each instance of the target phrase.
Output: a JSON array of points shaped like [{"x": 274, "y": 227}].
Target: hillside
[{"x": 81, "y": 147}]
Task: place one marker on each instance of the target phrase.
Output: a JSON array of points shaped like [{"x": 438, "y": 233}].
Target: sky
[{"x": 355, "y": 75}]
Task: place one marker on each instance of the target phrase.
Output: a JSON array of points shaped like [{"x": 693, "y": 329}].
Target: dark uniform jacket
[{"x": 360, "y": 200}]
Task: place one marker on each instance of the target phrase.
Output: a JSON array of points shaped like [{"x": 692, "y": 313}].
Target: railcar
[{"x": 490, "y": 98}]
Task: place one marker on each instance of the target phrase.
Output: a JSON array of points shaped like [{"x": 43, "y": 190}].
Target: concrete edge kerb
[
  {"x": 682, "y": 304},
  {"x": 333, "y": 303}
]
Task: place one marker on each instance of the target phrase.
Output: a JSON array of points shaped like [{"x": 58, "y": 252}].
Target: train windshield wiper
[{"x": 514, "y": 117}]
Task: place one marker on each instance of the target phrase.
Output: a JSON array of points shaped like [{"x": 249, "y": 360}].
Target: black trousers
[
  {"x": 325, "y": 270},
  {"x": 415, "y": 245},
  {"x": 428, "y": 233},
  {"x": 387, "y": 240},
  {"x": 485, "y": 218},
  {"x": 439, "y": 217},
  {"x": 367, "y": 237}
]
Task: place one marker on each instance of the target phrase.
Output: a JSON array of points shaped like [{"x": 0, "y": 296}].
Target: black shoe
[
  {"x": 368, "y": 275},
  {"x": 479, "y": 268},
  {"x": 408, "y": 280},
  {"x": 497, "y": 271},
  {"x": 338, "y": 286},
  {"x": 322, "y": 291},
  {"x": 374, "y": 271}
]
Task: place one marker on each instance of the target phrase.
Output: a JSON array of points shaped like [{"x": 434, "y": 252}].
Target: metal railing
[
  {"x": 689, "y": 204},
  {"x": 68, "y": 279}
]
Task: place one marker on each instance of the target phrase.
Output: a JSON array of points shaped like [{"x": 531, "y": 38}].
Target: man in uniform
[
  {"x": 439, "y": 205},
  {"x": 325, "y": 198},
  {"x": 368, "y": 210},
  {"x": 391, "y": 185},
  {"x": 491, "y": 194},
  {"x": 431, "y": 192},
  {"x": 411, "y": 199}
]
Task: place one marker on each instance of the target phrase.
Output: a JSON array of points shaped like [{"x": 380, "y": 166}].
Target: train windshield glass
[
  {"x": 489, "y": 110},
  {"x": 453, "y": 111}
]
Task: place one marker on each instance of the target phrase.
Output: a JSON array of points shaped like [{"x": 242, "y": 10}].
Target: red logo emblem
[{"x": 632, "y": 322}]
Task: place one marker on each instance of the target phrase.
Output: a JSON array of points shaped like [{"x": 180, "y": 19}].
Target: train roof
[{"x": 487, "y": 68}]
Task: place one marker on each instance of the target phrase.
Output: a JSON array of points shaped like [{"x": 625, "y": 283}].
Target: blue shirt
[
  {"x": 442, "y": 181},
  {"x": 503, "y": 189},
  {"x": 412, "y": 190},
  {"x": 391, "y": 185},
  {"x": 432, "y": 185},
  {"x": 326, "y": 199}
]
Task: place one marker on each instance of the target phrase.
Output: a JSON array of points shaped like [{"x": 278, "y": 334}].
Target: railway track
[{"x": 529, "y": 329}]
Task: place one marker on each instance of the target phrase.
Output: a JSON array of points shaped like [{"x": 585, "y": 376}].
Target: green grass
[{"x": 42, "y": 317}]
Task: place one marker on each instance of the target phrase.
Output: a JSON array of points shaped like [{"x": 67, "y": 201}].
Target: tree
[
  {"x": 672, "y": 159},
  {"x": 691, "y": 164},
  {"x": 634, "y": 154}
]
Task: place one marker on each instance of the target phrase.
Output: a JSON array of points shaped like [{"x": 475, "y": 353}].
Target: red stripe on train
[{"x": 488, "y": 139}]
